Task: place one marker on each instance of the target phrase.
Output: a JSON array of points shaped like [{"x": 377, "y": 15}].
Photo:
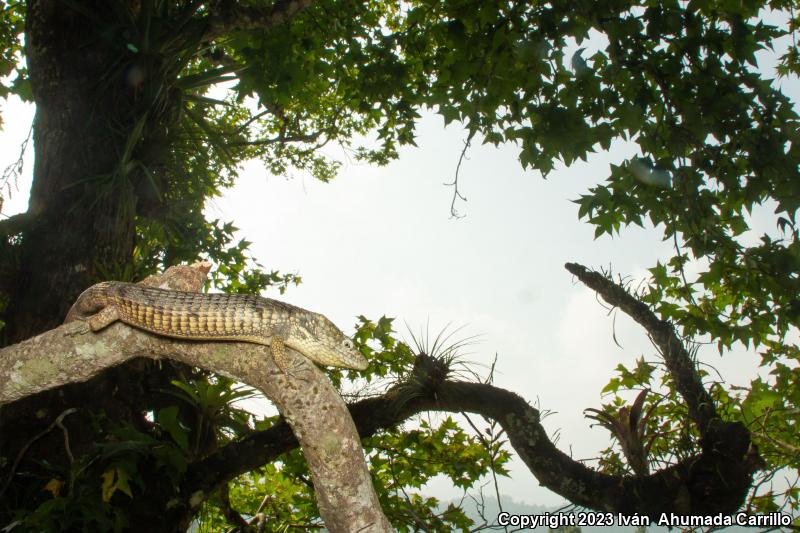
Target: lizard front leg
[
  {"x": 278, "y": 336},
  {"x": 278, "y": 349}
]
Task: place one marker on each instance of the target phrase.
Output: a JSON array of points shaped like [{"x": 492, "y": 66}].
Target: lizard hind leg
[{"x": 104, "y": 318}]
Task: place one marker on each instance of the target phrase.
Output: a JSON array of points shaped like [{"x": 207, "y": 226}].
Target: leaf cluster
[{"x": 12, "y": 26}]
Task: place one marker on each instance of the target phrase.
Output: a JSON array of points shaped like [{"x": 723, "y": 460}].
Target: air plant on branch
[{"x": 629, "y": 426}]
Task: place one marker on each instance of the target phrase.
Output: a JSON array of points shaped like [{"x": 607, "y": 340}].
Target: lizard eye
[{"x": 347, "y": 344}]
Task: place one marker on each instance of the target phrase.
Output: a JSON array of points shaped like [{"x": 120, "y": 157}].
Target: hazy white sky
[{"x": 380, "y": 241}]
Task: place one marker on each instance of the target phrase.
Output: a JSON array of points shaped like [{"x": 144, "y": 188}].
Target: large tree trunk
[
  {"x": 83, "y": 222},
  {"x": 83, "y": 204}
]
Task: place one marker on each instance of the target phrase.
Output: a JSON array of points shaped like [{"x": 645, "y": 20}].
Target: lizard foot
[{"x": 79, "y": 326}]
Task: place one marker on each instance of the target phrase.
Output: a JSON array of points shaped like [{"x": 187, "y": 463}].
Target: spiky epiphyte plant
[{"x": 437, "y": 359}]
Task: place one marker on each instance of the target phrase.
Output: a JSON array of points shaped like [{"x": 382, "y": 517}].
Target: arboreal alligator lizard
[{"x": 218, "y": 317}]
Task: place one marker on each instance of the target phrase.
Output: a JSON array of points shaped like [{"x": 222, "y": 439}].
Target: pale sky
[{"x": 380, "y": 241}]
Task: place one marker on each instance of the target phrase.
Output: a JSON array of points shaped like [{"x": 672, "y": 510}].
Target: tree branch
[
  {"x": 232, "y": 16},
  {"x": 282, "y": 138},
  {"x": 16, "y": 224},
  {"x": 676, "y": 356},
  {"x": 704, "y": 484},
  {"x": 312, "y": 407}
]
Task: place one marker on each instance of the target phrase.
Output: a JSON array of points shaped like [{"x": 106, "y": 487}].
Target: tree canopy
[{"x": 133, "y": 135}]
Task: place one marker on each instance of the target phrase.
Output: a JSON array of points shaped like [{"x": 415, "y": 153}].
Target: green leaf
[{"x": 168, "y": 419}]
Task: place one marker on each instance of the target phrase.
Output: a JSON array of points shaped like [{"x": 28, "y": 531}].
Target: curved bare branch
[{"x": 676, "y": 356}]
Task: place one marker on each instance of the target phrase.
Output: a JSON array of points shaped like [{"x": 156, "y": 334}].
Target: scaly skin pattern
[{"x": 218, "y": 317}]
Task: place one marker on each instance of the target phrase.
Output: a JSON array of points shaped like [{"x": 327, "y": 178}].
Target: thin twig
[
  {"x": 24, "y": 449},
  {"x": 14, "y": 170},
  {"x": 456, "y": 194}
]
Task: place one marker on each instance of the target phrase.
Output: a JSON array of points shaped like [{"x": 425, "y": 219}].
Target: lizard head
[{"x": 321, "y": 341}]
